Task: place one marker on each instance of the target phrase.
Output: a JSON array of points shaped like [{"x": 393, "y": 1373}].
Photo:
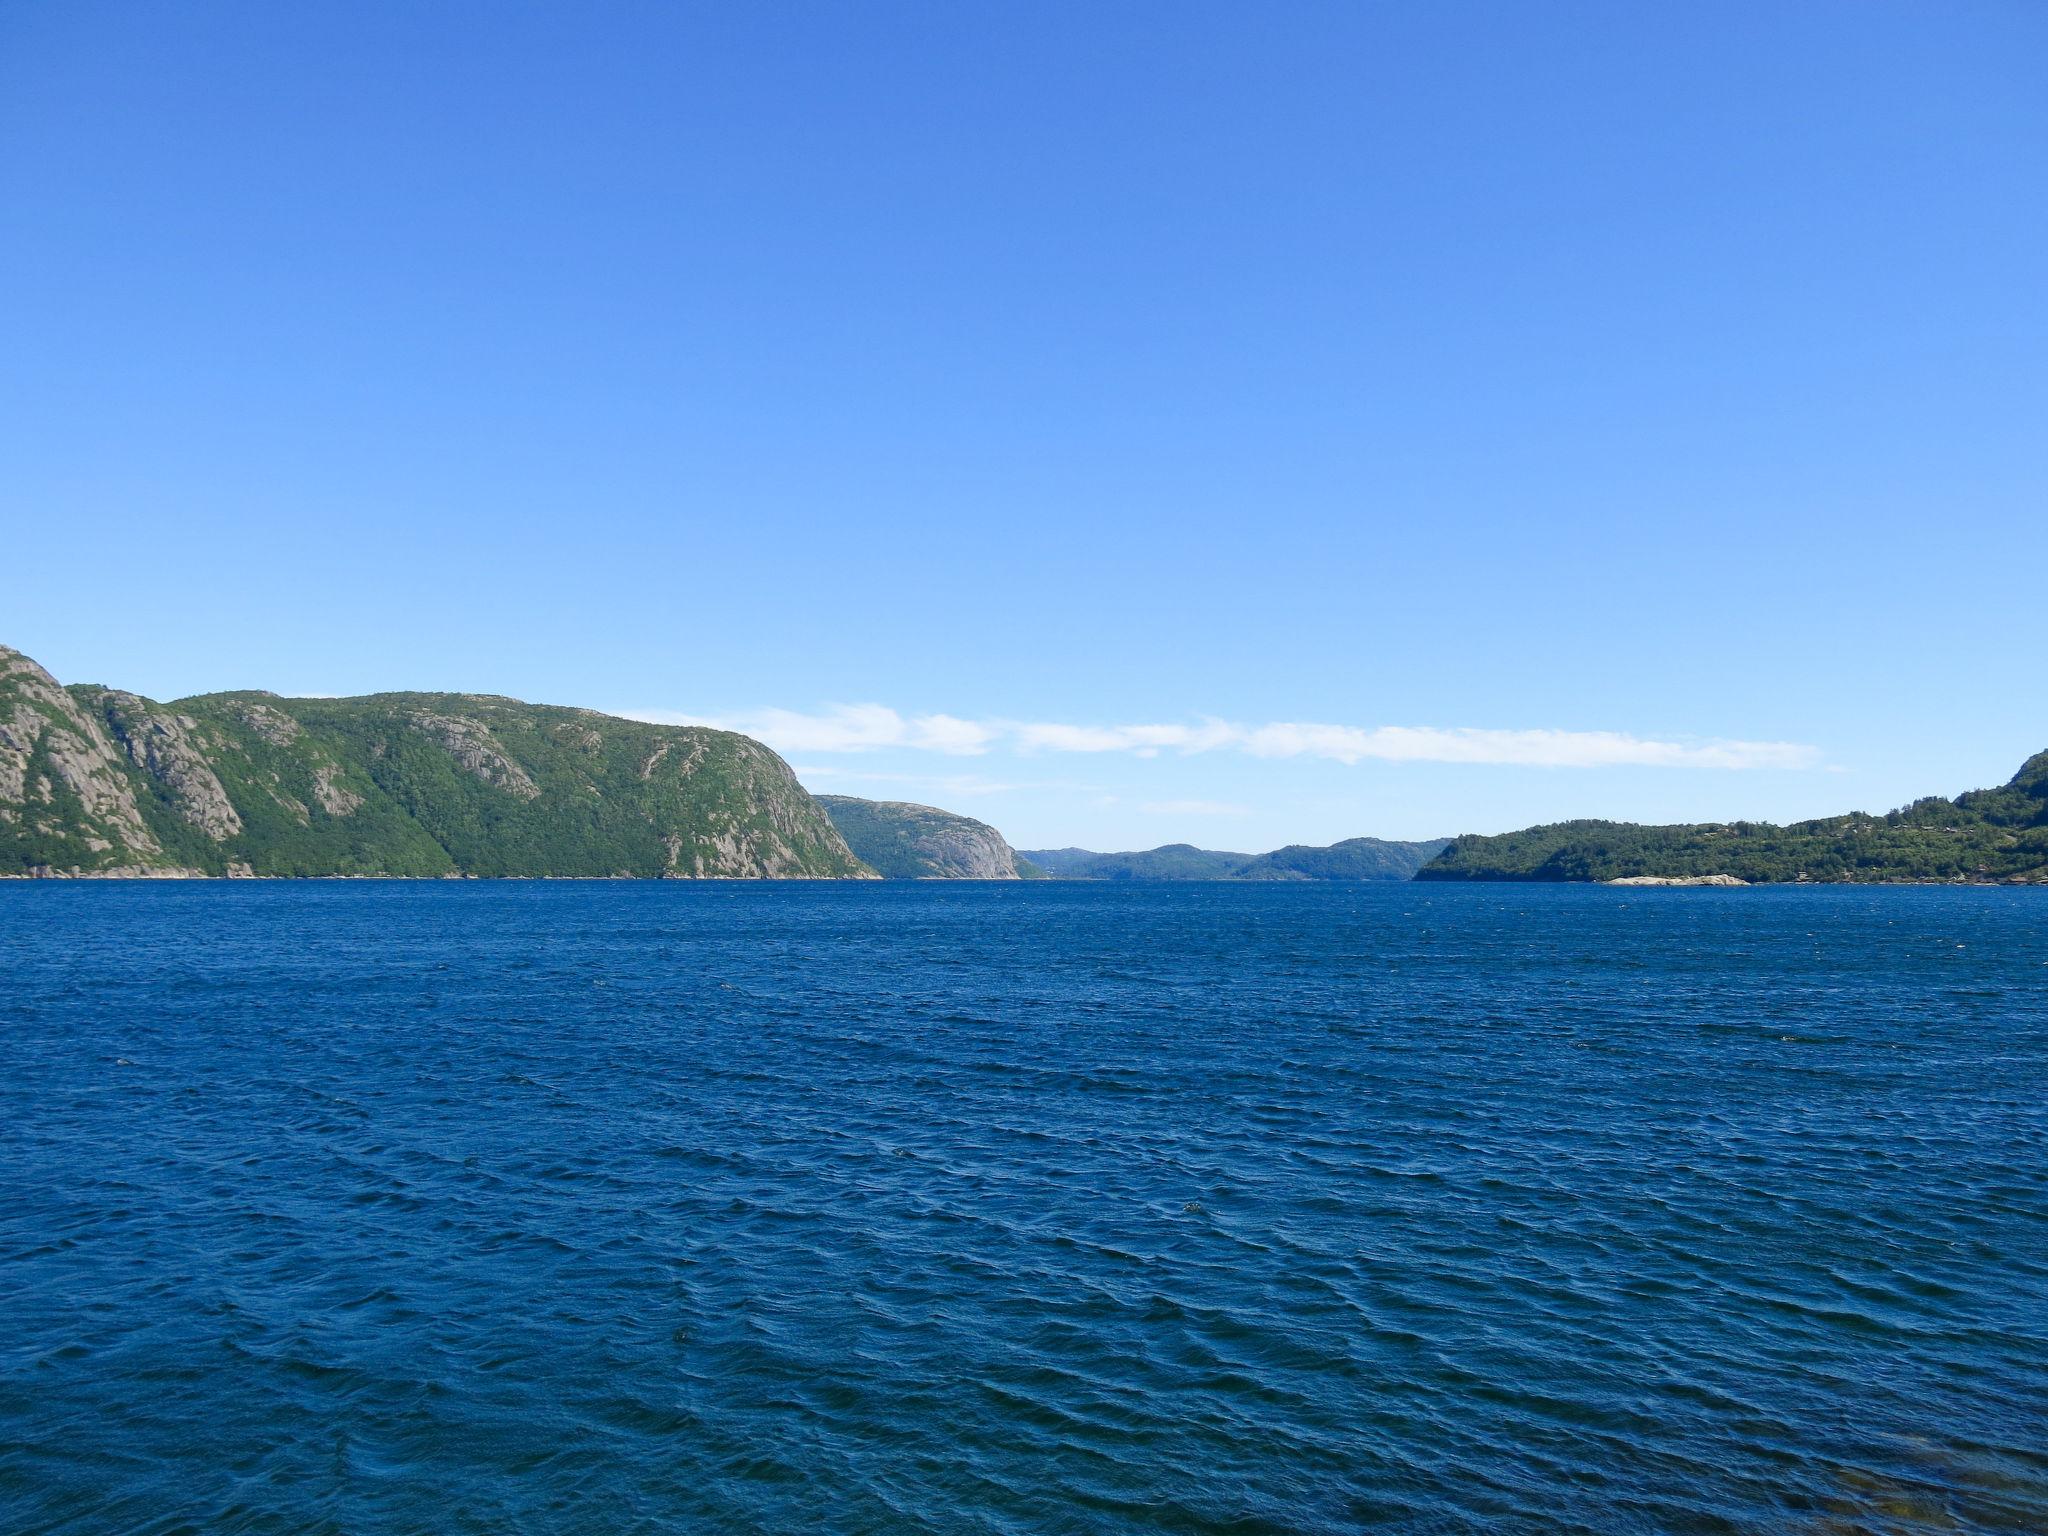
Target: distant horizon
[{"x": 962, "y": 802}]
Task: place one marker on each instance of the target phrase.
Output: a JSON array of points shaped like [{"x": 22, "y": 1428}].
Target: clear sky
[{"x": 1126, "y": 422}]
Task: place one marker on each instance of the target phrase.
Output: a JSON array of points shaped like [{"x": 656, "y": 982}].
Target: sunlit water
[{"x": 350, "y": 1207}]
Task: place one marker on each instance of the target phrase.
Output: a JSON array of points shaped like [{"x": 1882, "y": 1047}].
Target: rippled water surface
[{"x": 351, "y": 1207}]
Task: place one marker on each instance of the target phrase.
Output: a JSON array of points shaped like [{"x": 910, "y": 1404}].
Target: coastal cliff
[
  {"x": 903, "y": 841},
  {"x": 98, "y": 782}
]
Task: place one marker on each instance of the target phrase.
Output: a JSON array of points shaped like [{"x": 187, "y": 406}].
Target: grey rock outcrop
[
  {"x": 472, "y": 745},
  {"x": 334, "y": 798},
  {"x": 50, "y": 747},
  {"x": 165, "y": 746},
  {"x": 1675, "y": 880}
]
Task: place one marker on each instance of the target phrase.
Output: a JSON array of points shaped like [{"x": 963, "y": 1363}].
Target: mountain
[
  {"x": 97, "y": 781},
  {"x": 1176, "y": 861},
  {"x": 1357, "y": 858},
  {"x": 1984, "y": 835},
  {"x": 901, "y": 841}
]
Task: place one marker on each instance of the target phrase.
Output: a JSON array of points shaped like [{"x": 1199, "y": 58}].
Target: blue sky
[{"x": 1127, "y": 423}]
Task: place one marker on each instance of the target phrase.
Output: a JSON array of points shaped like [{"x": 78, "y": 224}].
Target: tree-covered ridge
[
  {"x": 95, "y": 780},
  {"x": 1357, "y": 858},
  {"x": 1984, "y": 835},
  {"x": 1174, "y": 861},
  {"x": 904, "y": 841}
]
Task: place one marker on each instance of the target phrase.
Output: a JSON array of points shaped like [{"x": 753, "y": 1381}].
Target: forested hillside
[
  {"x": 1985, "y": 835},
  {"x": 97, "y": 781}
]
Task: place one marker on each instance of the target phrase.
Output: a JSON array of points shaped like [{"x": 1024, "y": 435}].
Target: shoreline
[{"x": 1625, "y": 883}]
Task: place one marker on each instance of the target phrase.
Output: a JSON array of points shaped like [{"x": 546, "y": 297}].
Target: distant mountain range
[
  {"x": 96, "y": 781},
  {"x": 1982, "y": 836},
  {"x": 1357, "y": 858}
]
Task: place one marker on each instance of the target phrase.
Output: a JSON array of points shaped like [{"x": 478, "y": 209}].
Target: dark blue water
[{"x": 634, "y": 1208}]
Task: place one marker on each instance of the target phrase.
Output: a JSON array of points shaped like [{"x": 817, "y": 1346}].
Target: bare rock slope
[{"x": 902, "y": 841}]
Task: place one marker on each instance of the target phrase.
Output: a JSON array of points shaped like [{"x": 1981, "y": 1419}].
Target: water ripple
[{"x": 635, "y": 1208}]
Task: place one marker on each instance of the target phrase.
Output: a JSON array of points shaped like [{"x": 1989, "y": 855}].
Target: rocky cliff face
[
  {"x": 902, "y": 841},
  {"x": 66, "y": 789},
  {"x": 94, "y": 781}
]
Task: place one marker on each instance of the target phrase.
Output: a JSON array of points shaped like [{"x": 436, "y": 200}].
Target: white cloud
[
  {"x": 875, "y": 727},
  {"x": 945, "y": 733},
  {"x": 1542, "y": 749},
  {"x": 846, "y": 728},
  {"x": 1145, "y": 740},
  {"x": 1193, "y": 808},
  {"x": 963, "y": 784}
]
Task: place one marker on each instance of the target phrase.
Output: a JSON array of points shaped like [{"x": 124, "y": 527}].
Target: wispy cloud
[
  {"x": 876, "y": 727},
  {"x": 964, "y": 784},
  {"x": 1193, "y": 808},
  {"x": 848, "y": 728}
]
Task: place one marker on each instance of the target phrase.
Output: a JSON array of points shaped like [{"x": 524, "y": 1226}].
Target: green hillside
[
  {"x": 1984, "y": 835},
  {"x": 1175, "y": 861},
  {"x": 96, "y": 781},
  {"x": 1356, "y": 858}
]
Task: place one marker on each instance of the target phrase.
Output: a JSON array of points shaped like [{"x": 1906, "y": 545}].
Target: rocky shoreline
[{"x": 1675, "y": 880}]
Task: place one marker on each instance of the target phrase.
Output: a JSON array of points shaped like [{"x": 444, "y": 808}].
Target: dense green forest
[{"x": 1984, "y": 835}]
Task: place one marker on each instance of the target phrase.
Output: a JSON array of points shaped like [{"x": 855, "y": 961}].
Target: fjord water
[{"x": 346, "y": 1207}]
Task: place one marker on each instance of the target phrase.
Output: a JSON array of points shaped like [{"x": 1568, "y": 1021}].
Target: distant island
[
  {"x": 1357, "y": 858},
  {"x": 1985, "y": 836}
]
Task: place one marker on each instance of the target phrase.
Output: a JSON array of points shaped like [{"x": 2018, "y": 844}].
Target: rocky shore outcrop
[{"x": 1675, "y": 880}]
